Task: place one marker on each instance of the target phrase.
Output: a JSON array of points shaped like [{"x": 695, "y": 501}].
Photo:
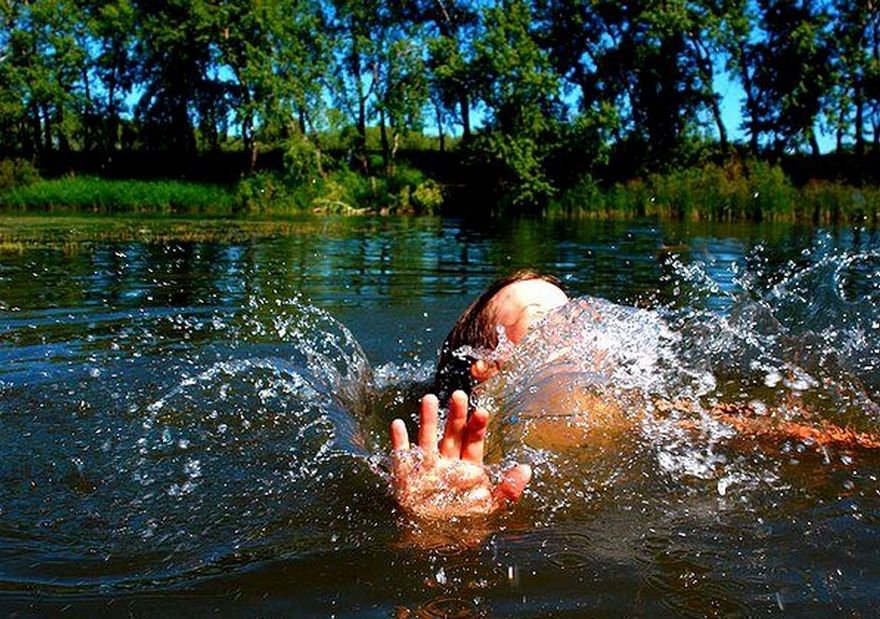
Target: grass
[
  {"x": 92, "y": 194},
  {"x": 261, "y": 195},
  {"x": 737, "y": 191}
]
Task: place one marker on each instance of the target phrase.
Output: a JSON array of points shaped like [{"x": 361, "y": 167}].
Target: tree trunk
[
  {"x": 250, "y": 143},
  {"x": 395, "y": 144},
  {"x": 63, "y": 141},
  {"x": 440, "y": 133},
  {"x": 860, "y": 118},
  {"x": 112, "y": 117},
  {"x": 704, "y": 62},
  {"x": 316, "y": 140},
  {"x": 840, "y": 130},
  {"x": 302, "y": 121},
  {"x": 360, "y": 146},
  {"x": 47, "y": 129},
  {"x": 465, "y": 106},
  {"x": 91, "y": 119},
  {"x": 751, "y": 104},
  {"x": 386, "y": 150},
  {"x": 35, "y": 131},
  {"x": 814, "y": 143}
]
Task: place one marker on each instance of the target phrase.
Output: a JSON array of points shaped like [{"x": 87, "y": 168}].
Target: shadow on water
[{"x": 200, "y": 420}]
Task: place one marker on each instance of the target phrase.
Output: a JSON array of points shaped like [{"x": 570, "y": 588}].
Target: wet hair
[{"x": 475, "y": 328}]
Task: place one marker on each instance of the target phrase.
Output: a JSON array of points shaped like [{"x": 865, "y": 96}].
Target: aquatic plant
[{"x": 750, "y": 190}]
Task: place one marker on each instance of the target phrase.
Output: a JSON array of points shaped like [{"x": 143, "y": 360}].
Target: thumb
[{"x": 513, "y": 483}]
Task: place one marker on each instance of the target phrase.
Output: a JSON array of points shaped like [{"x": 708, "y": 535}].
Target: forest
[{"x": 522, "y": 106}]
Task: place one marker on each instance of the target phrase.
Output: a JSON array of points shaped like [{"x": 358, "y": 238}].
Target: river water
[{"x": 193, "y": 414}]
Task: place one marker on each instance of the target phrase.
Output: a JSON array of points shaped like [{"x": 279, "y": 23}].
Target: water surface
[{"x": 194, "y": 412}]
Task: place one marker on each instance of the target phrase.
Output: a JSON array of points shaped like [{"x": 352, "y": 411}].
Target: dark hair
[{"x": 476, "y": 327}]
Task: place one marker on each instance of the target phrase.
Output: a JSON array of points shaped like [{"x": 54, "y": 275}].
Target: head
[{"x": 514, "y": 303}]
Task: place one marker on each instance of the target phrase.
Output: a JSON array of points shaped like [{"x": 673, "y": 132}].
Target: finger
[
  {"x": 428, "y": 424},
  {"x": 513, "y": 483},
  {"x": 399, "y": 436},
  {"x": 456, "y": 421},
  {"x": 475, "y": 437}
]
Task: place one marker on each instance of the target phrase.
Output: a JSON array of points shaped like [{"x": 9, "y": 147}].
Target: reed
[
  {"x": 736, "y": 191},
  {"x": 93, "y": 194}
]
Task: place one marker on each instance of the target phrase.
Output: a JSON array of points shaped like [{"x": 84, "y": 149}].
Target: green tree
[
  {"x": 401, "y": 95},
  {"x": 734, "y": 36},
  {"x": 43, "y": 67},
  {"x": 450, "y": 57},
  {"x": 357, "y": 27},
  {"x": 111, "y": 36},
  {"x": 856, "y": 28},
  {"x": 644, "y": 70},
  {"x": 303, "y": 57},
  {"x": 791, "y": 71},
  {"x": 174, "y": 58},
  {"x": 520, "y": 90},
  {"x": 241, "y": 31}
]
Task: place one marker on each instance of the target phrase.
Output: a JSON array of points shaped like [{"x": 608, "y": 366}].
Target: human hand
[{"x": 447, "y": 478}]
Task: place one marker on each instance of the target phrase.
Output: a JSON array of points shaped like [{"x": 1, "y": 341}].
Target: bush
[
  {"x": 17, "y": 172},
  {"x": 259, "y": 193},
  {"x": 584, "y": 198},
  {"x": 824, "y": 202},
  {"x": 516, "y": 165},
  {"x": 773, "y": 195},
  {"x": 427, "y": 197},
  {"x": 301, "y": 161}
]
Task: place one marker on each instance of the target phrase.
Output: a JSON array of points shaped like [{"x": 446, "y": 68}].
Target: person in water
[{"x": 446, "y": 477}]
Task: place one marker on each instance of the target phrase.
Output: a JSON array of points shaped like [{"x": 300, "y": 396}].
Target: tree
[
  {"x": 357, "y": 25},
  {"x": 174, "y": 55},
  {"x": 520, "y": 90},
  {"x": 111, "y": 31},
  {"x": 43, "y": 68},
  {"x": 450, "y": 56},
  {"x": 856, "y": 68},
  {"x": 791, "y": 71},
  {"x": 402, "y": 94},
  {"x": 735, "y": 36},
  {"x": 644, "y": 69},
  {"x": 241, "y": 31},
  {"x": 303, "y": 55}
]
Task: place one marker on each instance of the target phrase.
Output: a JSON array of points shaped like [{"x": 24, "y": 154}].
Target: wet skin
[{"x": 447, "y": 478}]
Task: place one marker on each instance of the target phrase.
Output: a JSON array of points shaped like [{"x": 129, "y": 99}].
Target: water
[{"x": 195, "y": 414}]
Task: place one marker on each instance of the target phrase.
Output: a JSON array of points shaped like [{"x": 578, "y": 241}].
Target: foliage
[
  {"x": 110, "y": 196},
  {"x": 17, "y": 172},
  {"x": 735, "y": 191},
  {"x": 542, "y": 94}
]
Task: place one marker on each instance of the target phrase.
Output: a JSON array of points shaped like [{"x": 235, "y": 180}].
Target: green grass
[
  {"x": 92, "y": 194},
  {"x": 258, "y": 196},
  {"x": 737, "y": 191}
]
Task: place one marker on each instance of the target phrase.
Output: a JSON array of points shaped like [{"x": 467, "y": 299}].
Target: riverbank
[{"x": 735, "y": 191}]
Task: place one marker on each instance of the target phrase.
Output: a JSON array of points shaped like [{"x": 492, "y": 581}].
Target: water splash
[
  {"x": 606, "y": 391},
  {"x": 216, "y": 457}
]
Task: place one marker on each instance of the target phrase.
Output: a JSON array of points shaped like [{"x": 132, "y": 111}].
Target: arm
[
  {"x": 447, "y": 478},
  {"x": 743, "y": 419}
]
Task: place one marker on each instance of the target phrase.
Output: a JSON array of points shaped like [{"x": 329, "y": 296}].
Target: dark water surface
[{"x": 192, "y": 421}]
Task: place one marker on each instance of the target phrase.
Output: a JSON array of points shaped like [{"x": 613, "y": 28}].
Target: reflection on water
[{"x": 201, "y": 419}]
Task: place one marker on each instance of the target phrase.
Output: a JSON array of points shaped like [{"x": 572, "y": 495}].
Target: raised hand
[{"x": 447, "y": 478}]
